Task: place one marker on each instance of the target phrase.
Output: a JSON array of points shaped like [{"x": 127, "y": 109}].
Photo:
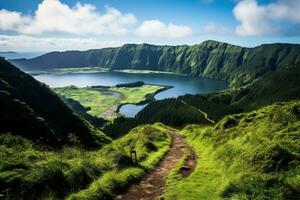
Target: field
[
  {"x": 103, "y": 102},
  {"x": 28, "y": 172}
]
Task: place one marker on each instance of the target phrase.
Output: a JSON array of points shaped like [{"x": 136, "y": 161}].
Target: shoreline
[
  {"x": 82, "y": 70},
  {"x": 94, "y": 70},
  {"x": 148, "y": 97}
]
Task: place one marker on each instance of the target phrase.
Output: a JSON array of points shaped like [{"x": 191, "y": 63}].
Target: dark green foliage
[
  {"x": 171, "y": 112},
  {"x": 216, "y": 109},
  {"x": 82, "y": 111},
  {"x": 210, "y": 59},
  {"x": 279, "y": 86},
  {"x": 134, "y": 84},
  {"x": 29, "y": 108},
  {"x": 120, "y": 126},
  {"x": 168, "y": 111}
]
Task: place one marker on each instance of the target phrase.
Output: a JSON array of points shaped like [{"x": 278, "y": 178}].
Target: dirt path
[
  {"x": 203, "y": 113},
  {"x": 153, "y": 184}
]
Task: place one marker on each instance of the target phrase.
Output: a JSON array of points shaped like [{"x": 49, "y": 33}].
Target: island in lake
[{"x": 105, "y": 101}]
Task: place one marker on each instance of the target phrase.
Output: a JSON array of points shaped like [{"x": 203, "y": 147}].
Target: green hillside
[
  {"x": 211, "y": 59},
  {"x": 28, "y": 172},
  {"x": 252, "y": 155},
  {"x": 242, "y": 143},
  {"x": 276, "y": 87},
  {"x": 30, "y": 109}
]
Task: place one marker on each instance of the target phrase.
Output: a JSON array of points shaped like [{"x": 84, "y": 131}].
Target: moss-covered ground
[
  {"x": 103, "y": 102},
  {"x": 252, "y": 155}
]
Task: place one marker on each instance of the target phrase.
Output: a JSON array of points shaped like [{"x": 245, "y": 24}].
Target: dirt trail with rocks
[{"x": 153, "y": 184}]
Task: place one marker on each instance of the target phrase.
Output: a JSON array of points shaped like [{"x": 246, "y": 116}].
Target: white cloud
[
  {"x": 52, "y": 16},
  {"x": 32, "y": 44},
  {"x": 213, "y": 28},
  {"x": 266, "y": 19},
  {"x": 156, "y": 28},
  {"x": 12, "y": 20}
]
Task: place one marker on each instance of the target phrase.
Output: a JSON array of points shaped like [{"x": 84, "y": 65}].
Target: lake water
[{"x": 181, "y": 84}]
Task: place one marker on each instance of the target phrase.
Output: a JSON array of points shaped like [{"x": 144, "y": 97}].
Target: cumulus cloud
[
  {"x": 266, "y": 19},
  {"x": 12, "y": 20},
  {"x": 213, "y": 28},
  {"x": 53, "y": 16},
  {"x": 30, "y": 43},
  {"x": 156, "y": 28}
]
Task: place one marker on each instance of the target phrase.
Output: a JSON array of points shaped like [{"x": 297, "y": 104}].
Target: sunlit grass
[
  {"x": 73, "y": 172},
  {"x": 247, "y": 156}
]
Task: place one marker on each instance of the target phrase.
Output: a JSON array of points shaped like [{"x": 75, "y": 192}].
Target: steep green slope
[
  {"x": 279, "y": 86},
  {"x": 30, "y": 109},
  {"x": 212, "y": 59},
  {"x": 252, "y": 155}
]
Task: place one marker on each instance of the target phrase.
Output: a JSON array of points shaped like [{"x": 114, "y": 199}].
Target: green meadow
[{"x": 103, "y": 102}]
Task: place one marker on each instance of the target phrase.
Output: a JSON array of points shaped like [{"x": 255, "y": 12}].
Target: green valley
[
  {"x": 150, "y": 100},
  {"x": 70, "y": 143},
  {"x": 104, "y": 102}
]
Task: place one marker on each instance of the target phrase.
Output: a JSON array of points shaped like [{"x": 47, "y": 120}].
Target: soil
[{"x": 153, "y": 184}]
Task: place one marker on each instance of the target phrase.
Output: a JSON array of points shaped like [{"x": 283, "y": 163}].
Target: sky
[{"x": 49, "y": 25}]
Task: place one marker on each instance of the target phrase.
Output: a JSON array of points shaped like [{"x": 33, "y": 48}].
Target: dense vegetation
[
  {"x": 170, "y": 112},
  {"x": 252, "y": 155},
  {"x": 28, "y": 172},
  {"x": 212, "y": 59},
  {"x": 279, "y": 86},
  {"x": 30, "y": 109},
  {"x": 134, "y": 84}
]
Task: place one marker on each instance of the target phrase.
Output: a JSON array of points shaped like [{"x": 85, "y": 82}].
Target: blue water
[{"x": 181, "y": 84}]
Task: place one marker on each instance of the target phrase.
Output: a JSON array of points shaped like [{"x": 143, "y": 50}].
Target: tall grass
[
  {"x": 246, "y": 156},
  {"x": 31, "y": 173}
]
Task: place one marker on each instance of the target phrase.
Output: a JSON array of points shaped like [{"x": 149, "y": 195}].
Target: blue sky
[{"x": 46, "y": 25}]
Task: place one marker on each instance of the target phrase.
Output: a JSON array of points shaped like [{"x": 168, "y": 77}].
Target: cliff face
[{"x": 211, "y": 59}]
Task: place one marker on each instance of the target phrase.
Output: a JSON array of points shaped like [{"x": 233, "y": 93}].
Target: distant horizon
[
  {"x": 59, "y": 25},
  {"x": 44, "y": 52}
]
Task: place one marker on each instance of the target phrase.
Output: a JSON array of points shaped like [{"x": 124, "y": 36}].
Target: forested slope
[{"x": 211, "y": 59}]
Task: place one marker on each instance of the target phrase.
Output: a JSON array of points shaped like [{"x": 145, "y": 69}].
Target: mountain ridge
[{"x": 211, "y": 59}]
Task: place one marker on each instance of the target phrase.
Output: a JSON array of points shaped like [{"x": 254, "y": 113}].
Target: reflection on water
[{"x": 181, "y": 84}]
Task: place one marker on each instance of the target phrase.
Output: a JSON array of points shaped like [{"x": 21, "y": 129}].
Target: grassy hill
[
  {"x": 253, "y": 155},
  {"x": 30, "y": 109},
  {"x": 211, "y": 59},
  {"x": 28, "y": 172}
]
